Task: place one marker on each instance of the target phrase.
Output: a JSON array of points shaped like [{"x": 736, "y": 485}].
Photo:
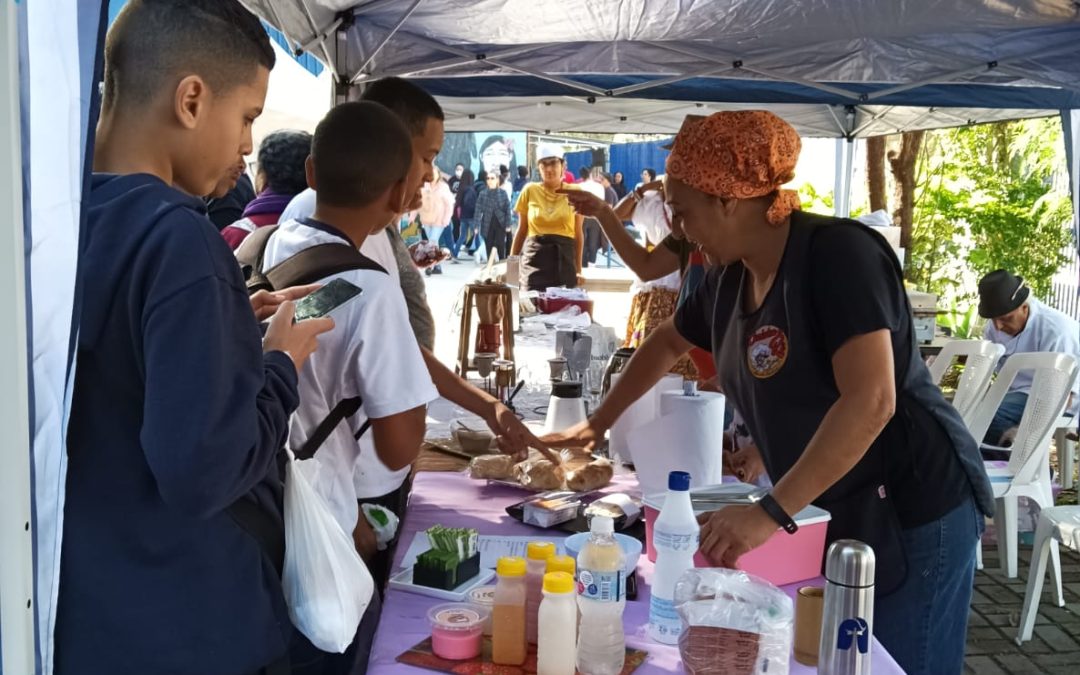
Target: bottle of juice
[
  {"x": 601, "y": 599},
  {"x": 537, "y": 554},
  {"x": 562, "y": 563},
  {"x": 508, "y": 617},
  {"x": 555, "y": 652}
]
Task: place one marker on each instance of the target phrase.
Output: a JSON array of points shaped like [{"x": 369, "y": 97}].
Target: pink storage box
[
  {"x": 553, "y": 305},
  {"x": 783, "y": 559}
]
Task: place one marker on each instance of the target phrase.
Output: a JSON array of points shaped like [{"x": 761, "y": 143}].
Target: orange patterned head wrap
[{"x": 738, "y": 154}]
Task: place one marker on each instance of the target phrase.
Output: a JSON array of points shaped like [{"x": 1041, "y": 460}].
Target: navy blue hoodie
[{"x": 176, "y": 414}]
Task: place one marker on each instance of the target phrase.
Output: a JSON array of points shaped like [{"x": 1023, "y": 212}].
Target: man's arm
[
  {"x": 514, "y": 437},
  {"x": 398, "y": 437}
]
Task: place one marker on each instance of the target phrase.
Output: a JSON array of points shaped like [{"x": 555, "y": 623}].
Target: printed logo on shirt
[{"x": 766, "y": 352}]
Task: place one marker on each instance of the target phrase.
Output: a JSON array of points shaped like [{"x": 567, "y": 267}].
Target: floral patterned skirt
[{"x": 648, "y": 309}]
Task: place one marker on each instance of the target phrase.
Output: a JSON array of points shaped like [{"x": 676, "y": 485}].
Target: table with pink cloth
[{"x": 455, "y": 500}]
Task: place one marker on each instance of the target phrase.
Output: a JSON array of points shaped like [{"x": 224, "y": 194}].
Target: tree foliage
[{"x": 989, "y": 197}]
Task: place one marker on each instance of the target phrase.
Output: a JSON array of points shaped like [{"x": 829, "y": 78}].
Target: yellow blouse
[{"x": 548, "y": 212}]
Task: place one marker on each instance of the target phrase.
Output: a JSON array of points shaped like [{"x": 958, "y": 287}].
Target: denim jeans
[
  {"x": 923, "y": 624},
  {"x": 1007, "y": 416},
  {"x": 464, "y": 232}
]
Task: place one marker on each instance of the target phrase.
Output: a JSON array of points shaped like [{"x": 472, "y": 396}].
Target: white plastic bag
[
  {"x": 733, "y": 623},
  {"x": 327, "y": 586}
]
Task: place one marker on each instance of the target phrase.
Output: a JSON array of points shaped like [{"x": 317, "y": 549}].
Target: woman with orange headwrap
[{"x": 811, "y": 332}]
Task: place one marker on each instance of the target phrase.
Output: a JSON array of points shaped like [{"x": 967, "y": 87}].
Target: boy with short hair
[
  {"x": 360, "y": 157},
  {"x": 178, "y": 408}
]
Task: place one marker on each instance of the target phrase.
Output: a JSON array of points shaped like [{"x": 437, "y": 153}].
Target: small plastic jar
[
  {"x": 483, "y": 598},
  {"x": 457, "y": 630}
]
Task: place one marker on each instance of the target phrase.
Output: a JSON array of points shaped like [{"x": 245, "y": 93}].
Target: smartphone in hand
[{"x": 325, "y": 300}]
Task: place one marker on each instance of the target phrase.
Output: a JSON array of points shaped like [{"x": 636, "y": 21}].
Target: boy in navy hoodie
[{"x": 178, "y": 407}]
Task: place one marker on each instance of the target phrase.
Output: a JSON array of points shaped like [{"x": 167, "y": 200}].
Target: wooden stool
[{"x": 472, "y": 292}]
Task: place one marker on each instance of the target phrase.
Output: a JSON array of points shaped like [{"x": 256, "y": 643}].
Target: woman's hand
[
  {"x": 585, "y": 203},
  {"x": 581, "y": 435},
  {"x": 732, "y": 531}
]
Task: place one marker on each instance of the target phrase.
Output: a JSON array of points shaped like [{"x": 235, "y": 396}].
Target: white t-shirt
[
  {"x": 376, "y": 246},
  {"x": 372, "y": 353},
  {"x": 653, "y": 217},
  {"x": 593, "y": 187},
  {"x": 1047, "y": 330}
]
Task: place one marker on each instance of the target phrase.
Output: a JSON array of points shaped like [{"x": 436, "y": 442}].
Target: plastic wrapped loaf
[{"x": 733, "y": 623}]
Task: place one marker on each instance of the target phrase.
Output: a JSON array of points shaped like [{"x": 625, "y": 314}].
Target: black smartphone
[{"x": 325, "y": 300}]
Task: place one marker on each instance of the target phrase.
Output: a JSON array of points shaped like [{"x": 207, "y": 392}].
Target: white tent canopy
[{"x": 834, "y": 68}]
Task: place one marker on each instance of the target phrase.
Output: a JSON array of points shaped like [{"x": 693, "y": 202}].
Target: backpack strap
[
  {"x": 316, "y": 263},
  {"x": 250, "y": 255},
  {"x": 342, "y": 411},
  {"x": 267, "y": 531}
]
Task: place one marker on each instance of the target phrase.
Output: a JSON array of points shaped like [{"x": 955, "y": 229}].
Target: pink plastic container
[
  {"x": 783, "y": 559},
  {"x": 457, "y": 630}
]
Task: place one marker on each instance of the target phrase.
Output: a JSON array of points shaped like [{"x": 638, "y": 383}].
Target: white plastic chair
[
  {"x": 982, "y": 357},
  {"x": 1056, "y": 524},
  {"x": 1028, "y": 472}
]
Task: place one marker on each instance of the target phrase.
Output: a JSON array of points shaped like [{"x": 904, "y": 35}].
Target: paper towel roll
[
  {"x": 674, "y": 401},
  {"x": 687, "y": 435},
  {"x": 639, "y": 412}
]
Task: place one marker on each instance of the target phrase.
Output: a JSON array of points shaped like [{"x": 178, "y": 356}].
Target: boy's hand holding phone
[
  {"x": 297, "y": 339},
  {"x": 265, "y": 303}
]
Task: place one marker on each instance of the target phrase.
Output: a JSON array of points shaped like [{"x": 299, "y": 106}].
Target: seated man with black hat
[{"x": 1021, "y": 324}]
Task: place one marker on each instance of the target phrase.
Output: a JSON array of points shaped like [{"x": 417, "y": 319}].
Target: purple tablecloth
[{"x": 455, "y": 500}]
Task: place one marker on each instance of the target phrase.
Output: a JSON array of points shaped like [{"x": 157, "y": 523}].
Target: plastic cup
[{"x": 457, "y": 630}]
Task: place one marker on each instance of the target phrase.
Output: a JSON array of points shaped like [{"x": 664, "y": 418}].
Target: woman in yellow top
[{"x": 549, "y": 237}]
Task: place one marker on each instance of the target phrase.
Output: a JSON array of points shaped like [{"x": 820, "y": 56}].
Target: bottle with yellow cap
[
  {"x": 562, "y": 563},
  {"x": 537, "y": 554},
  {"x": 508, "y": 646},
  {"x": 556, "y": 652}
]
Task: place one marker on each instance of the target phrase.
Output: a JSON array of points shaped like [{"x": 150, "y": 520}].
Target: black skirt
[{"x": 548, "y": 260}]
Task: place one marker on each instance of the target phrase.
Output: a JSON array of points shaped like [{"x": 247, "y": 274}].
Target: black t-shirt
[{"x": 854, "y": 290}]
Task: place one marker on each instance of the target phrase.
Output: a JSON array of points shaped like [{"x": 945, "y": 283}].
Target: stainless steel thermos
[{"x": 847, "y": 621}]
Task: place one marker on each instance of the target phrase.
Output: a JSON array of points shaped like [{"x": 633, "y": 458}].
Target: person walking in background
[
  {"x": 493, "y": 216},
  {"x": 279, "y": 178},
  {"x": 465, "y": 209},
  {"x": 435, "y": 211},
  {"x": 619, "y": 184},
  {"x": 592, "y": 232},
  {"x": 522, "y": 179}
]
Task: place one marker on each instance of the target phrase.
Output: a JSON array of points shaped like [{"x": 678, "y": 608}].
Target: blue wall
[{"x": 632, "y": 158}]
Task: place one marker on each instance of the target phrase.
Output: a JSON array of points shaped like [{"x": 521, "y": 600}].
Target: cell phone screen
[{"x": 326, "y": 299}]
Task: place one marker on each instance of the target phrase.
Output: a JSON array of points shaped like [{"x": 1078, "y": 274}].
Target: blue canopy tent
[{"x": 833, "y": 68}]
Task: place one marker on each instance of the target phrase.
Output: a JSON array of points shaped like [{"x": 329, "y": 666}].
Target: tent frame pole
[
  {"x": 17, "y": 608},
  {"x": 464, "y": 53},
  {"x": 315, "y": 31},
  {"x": 385, "y": 40}
]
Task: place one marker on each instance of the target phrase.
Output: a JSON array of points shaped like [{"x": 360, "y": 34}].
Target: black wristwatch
[{"x": 768, "y": 502}]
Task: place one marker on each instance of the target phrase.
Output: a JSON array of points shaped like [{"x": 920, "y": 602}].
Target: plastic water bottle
[
  {"x": 675, "y": 536},
  {"x": 601, "y": 599}
]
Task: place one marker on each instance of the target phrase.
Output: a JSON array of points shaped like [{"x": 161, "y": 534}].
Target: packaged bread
[
  {"x": 592, "y": 476},
  {"x": 493, "y": 467},
  {"x": 539, "y": 474}
]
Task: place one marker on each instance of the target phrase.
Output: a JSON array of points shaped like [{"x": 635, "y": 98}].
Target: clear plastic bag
[
  {"x": 327, "y": 586},
  {"x": 733, "y": 623}
]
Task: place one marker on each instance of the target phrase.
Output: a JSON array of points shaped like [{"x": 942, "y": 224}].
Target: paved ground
[{"x": 995, "y": 612}]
